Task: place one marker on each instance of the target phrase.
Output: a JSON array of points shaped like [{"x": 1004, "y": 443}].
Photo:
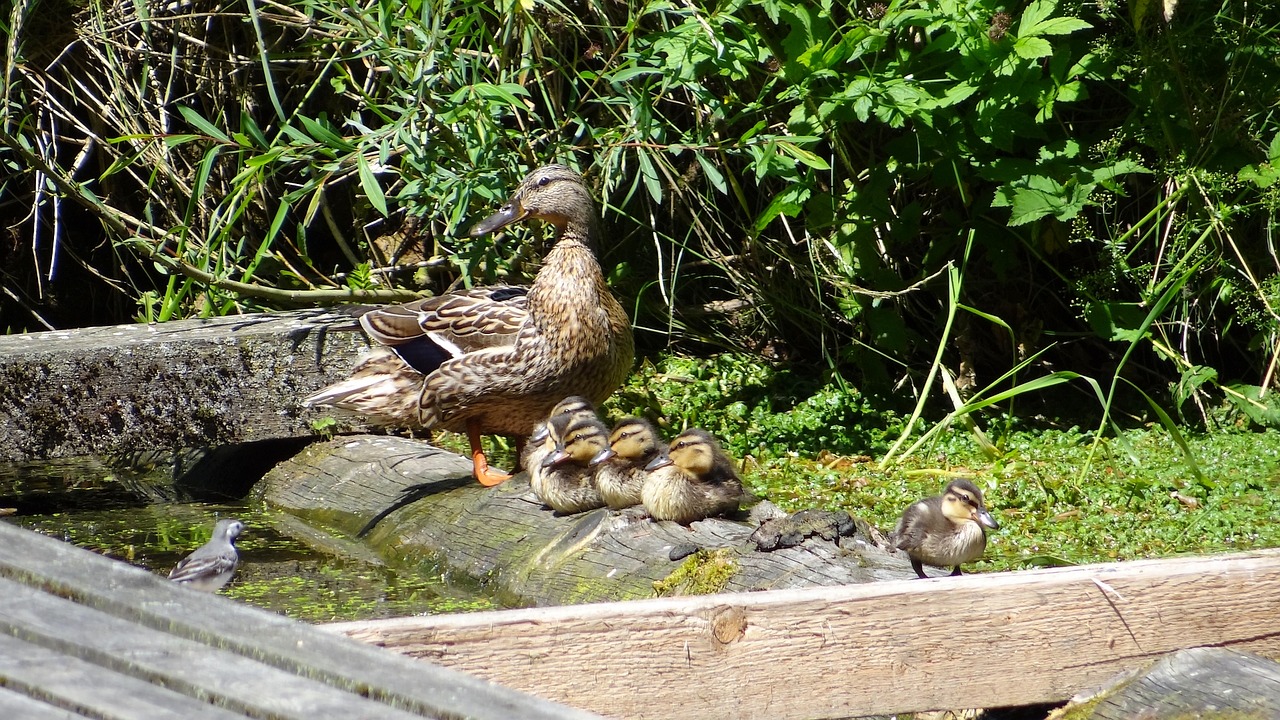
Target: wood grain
[
  {"x": 133, "y": 628},
  {"x": 834, "y": 652}
]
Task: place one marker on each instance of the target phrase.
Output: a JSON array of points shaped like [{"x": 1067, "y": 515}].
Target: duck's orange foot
[
  {"x": 480, "y": 464},
  {"x": 489, "y": 477}
]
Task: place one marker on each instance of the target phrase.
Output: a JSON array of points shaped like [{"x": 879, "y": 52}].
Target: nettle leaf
[
  {"x": 1030, "y": 48},
  {"x": 1060, "y": 26},
  {"x": 1036, "y": 13},
  {"x": 1117, "y": 321},
  {"x": 1273, "y": 152}
]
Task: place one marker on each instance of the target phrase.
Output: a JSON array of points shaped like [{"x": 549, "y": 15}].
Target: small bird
[
  {"x": 691, "y": 480},
  {"x": 210, "y": 566},
  {"x": 947, "y": 529},
  {"x": 620, "y": 477},
  {"x": 567, "y": 484},
  {"x": 541, "y": 444},
  {"x": 494, "y": 360}
]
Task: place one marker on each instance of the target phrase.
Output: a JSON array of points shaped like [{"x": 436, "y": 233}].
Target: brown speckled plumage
[
  {"x": 495, "y": 360},
  {"x": 945, "y": 530},
  {"x": 692, "y": 480}
]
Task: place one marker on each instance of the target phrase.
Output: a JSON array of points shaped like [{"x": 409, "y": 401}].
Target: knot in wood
[{"x": 729, "y": 625}]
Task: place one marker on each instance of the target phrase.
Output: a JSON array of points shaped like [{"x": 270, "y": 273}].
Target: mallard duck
[
  {"x": 947, "y": 529},
  {"x": 566, "y": 482},
  {"x": 211, "y": 566},
  {"x": 691, "y": 480},
  {"x": 541, "y": 444},
  {"x": 620, "y": 476},
  {"x": 494, "y": 360}
]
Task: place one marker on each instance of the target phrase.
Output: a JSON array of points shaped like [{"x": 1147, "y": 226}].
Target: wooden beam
[
  {"x": 834, "y": 652},
  {"x": 175, "y": 385}
]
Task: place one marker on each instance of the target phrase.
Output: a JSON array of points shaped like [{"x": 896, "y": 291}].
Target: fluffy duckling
[
  {"x": 691, "y": 480},
  {"x": 539, "y": 446},
  {"x": 620, "y": 477},
  {"x": 948, "y": 529},
  {"x": 566, "y": 483}
]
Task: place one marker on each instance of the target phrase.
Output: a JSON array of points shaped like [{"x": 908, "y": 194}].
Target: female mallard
[
  {"x": 691, "y": 480},
  {"x": 566, "y": 482},
  {"x": 495, "y": 360},
  {"x": 620, "y": 477},
  {"x": 947, "y": 529}
]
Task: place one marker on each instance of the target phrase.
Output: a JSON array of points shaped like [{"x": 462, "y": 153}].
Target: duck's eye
[{"x": 542, "y": 181}]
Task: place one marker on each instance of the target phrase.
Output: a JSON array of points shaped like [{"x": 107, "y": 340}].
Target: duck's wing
[
  {"x": 426, "y": 333},
  {"x": 916, "y": 522},
  {"x": 469, "y": 320}
]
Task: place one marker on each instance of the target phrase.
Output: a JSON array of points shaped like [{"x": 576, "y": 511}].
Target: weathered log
[
  {"x": 421, "y": 506},
  {"x": 990, "y": 640},
  {"x": 186, "y": 384},
  {"x": 1195, "y": 683}
]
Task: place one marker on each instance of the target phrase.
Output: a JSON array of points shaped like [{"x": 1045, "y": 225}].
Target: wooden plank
[
  {"x": 183, "y": 384},
  {"x": 17, "y": 705},
  {"x": 425, "y": 508},
  {"x": 61, "y": 685},
  {"x": 832, "y": 652},
  {"x": 123, "y": 591},
  {"x": 225, "y": 679}
]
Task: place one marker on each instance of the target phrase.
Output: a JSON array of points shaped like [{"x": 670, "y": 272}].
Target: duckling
[
  {"x": 541, "y": 444},
  {"x": 620, "y": 476},
  {"x": 494, "y": 360},
  {"x": 566, "y": 483},
  {"x": 691, "y": 480},
  {"x": 947, "y": 529}
]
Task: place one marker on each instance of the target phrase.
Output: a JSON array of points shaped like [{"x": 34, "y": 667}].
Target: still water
[{"x": 285, "y": 566}]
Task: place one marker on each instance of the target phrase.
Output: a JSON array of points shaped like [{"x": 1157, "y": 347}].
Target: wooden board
[
  {"x": 182, "y": 384},
  {"x": 834, "y": 652},
  {"x": 139, "y": 628},
  {"x": 425, "y": 511}
]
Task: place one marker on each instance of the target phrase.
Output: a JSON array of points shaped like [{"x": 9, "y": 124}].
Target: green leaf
[
  {"x": 1032, "y": 47},
  {"x": 713, "y": 174},
  {"x": 1059, "y": 26},
  {"x": 1035, "y": 14},
  {"x": 204, "y": 126},
  {"x": 649, "y": 174},
  {"x": 372, "y": 189},
  {"x": 505, "y": 92},
  {"x": 804, "y": 156}
]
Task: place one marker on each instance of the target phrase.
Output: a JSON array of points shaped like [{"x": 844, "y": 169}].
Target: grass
[{"x": 1059, "y": 500}]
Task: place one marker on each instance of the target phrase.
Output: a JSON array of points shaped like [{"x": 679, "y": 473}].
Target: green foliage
[
  {"x": 786, "y": 176},
  {"x": 755, "y": 409}
]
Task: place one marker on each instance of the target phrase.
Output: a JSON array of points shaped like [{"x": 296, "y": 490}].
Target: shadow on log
[{"x": 419, "y": 506}]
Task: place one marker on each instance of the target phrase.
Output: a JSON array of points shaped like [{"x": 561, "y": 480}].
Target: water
[{"x": 137, "y": 516}]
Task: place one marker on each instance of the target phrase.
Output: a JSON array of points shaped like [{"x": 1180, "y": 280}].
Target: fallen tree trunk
[
  {"x": 421, "y": 507},
  {"x": 187, "y": 384}
]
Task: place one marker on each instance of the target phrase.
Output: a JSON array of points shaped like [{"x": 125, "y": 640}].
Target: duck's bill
[
  {"x": 555, "y": 458},
  {"x": 507, "y": 214},
  {"x": 659, "y": 462},
  {"x": 985, "y": 518},
  {"x": 603, "y": 456},
  {"x": 540, "y": 434}
]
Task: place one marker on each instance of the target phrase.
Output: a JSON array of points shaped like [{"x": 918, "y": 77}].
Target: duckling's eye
[{"x": 543, "y": 181}]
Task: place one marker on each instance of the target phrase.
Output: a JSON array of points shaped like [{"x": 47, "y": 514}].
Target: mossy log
[
  {"x": 419, "y": 506},
  {"x": 124, "y": 389}
]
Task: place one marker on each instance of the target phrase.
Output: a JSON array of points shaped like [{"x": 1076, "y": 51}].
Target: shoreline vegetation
[{"x": 1026, "y": 242}]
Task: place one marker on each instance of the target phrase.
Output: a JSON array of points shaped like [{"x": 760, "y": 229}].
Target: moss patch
[{"x": 702, "y": 573}]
